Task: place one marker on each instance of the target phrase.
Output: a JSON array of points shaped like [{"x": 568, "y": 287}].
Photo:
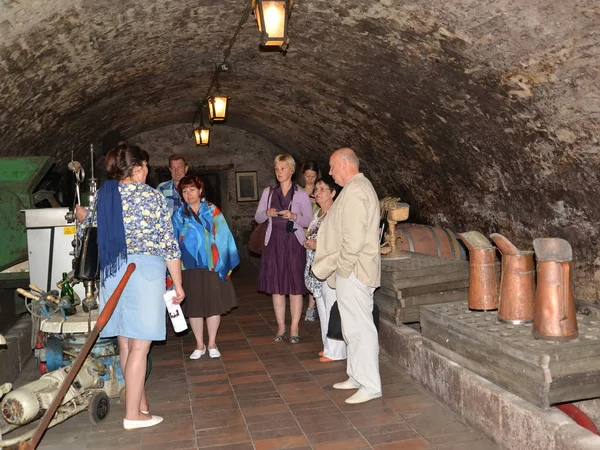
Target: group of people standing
[
  {"x": 330, "y": 248},
  {"x": 175, "y": 230},
  {"x": 171, "y": 229}
]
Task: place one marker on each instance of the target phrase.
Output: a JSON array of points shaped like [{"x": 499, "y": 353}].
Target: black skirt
[{"x": 206, "y": 294}]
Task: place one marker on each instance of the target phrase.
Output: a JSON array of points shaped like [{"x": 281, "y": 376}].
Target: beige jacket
[{"x": 348, "y": 240}]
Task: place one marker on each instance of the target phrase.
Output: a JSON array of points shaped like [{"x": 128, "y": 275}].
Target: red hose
[{"x": 578, "y": 416}]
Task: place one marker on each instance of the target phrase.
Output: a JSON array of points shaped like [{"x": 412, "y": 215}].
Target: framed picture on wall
[{"x": 246, "y": 186}]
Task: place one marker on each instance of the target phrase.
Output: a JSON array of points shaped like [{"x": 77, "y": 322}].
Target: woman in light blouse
[
  {"x": 333, "y": 349},
  {"x": 134, "y": 225}
]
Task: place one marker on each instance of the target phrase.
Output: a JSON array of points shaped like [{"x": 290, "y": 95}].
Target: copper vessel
[
  {"x": 517, "y": 282},
  {"x": 483, "y": 283},
  {"x": 554, "y": 313}
]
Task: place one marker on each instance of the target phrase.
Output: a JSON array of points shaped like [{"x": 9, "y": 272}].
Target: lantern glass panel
[
  {"x": 202, "y": 136},
  {"x": 274, "y": 15},
  {"x": 273, "y": 20},
  {"x": 217, "y": 108}
]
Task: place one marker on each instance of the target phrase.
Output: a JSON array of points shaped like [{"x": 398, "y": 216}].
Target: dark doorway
[{"x": 211, "y": 181}]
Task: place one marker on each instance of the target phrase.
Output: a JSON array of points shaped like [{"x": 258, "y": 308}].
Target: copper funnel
[
  {"x": 483, "y": 285},
  {"x": 554, "y": 313},
  {"x": 517, "y": 283}
]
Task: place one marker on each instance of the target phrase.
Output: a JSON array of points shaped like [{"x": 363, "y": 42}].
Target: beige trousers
[{"x": 355, "y": 302}]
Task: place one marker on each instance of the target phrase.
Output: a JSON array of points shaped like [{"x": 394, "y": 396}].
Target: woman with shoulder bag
[
  {"x": 333, "y": 350},
  {"x": 288, "y": 211},
  {"x": 134, "y": 225}
]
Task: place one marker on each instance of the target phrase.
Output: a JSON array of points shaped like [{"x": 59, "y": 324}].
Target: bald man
[{"x": 348, "y": 258}]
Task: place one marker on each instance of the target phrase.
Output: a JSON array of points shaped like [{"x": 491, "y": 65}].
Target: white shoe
[
  {"x": 197, "y": 354},
  {"x": 214, "y": 353},
  {"x": 135, "y": 424},
  {"x": 348, "y": 384},
  {"x": 361, "y": 396}
]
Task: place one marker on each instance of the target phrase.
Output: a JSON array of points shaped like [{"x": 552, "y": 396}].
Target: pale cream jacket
[{"x": 348, "y": 240}]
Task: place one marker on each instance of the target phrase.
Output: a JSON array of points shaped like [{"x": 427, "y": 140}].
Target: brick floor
[{"x": 264, "y": 395}]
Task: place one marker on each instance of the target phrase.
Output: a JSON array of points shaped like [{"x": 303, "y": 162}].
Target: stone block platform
[{"x": 540, "y": 371}]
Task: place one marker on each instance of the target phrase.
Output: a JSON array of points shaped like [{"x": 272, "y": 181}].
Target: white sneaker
[
  {"x": 214, "y": 353},
  {"x": 197, "y": 354},
  {"x": 361, "y": 396},
  {"x": 348, "y": 384}
]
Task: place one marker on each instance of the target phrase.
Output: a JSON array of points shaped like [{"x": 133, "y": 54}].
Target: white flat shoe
[
  {"x": 197, "y": 354},
  {"x": 361, "y": 397},
  {"x": 348, "y": 384},
  {"x": 214, "y": 353},
  {"x": 135, "y": 424}
]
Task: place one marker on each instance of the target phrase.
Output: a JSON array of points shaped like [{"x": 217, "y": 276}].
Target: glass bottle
[{"x": 67, "y": 294}]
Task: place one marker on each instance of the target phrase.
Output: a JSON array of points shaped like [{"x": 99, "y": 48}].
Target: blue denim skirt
[{"x": 141, "y": 310}]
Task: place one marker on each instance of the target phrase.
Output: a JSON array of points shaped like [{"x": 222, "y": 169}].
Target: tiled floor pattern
[{"x": 264, "y": 395}]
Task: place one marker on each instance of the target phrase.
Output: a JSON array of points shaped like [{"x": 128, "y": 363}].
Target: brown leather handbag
[
  {"x": 257, "y": 238},
  {"x": 256, "y": 244}
]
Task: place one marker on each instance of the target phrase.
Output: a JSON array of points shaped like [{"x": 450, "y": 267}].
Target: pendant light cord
[{"x": 227, "y": 52}]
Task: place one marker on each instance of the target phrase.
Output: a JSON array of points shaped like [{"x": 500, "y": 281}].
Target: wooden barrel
[{"x": 429, "y": 240}]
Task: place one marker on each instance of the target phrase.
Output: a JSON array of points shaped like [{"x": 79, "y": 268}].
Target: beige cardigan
[{"x": 348, "y": 240}]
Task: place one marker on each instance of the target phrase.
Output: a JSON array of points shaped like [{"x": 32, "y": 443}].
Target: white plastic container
[{"x": 175, "y": 313}]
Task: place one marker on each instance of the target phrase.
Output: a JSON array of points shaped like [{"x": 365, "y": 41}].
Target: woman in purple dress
[{"x": 289, "y": 211}]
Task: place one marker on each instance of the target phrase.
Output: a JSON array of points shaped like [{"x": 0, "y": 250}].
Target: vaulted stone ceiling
[{"x": 483, "y": 115}]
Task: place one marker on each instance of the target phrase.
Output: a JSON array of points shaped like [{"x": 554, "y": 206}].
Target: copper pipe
[
  {"x": 555, "y": 316},
  {"x": 483, "y": 285},
  {"x": 517, "y": 288},
  {"x": 517, "y": 285},
  {"x": 483, "y": 281},
  {"x": 74, "y": 370}
]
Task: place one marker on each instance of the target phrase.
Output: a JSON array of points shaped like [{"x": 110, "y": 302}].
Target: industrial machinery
[
  {"x": 60, "y": 394},
  {"x": 19, "y": 177}
]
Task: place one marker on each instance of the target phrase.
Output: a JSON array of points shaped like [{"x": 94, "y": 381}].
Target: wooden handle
[
  {"x": 51, "y": 298},
  {"x": 27, "y": 294},
  {"x": 33, "y": 287}
]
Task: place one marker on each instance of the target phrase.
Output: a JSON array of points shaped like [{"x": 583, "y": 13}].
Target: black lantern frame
[
  {"x": 258, "y": 9},
  {"x": 215, "y": 113},
  {"x": 201, "y": 133}
]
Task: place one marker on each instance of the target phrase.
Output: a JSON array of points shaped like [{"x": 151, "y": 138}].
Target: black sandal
[
  {"x": 279, "y": 337},
  {"x": 294, "y": 339}
]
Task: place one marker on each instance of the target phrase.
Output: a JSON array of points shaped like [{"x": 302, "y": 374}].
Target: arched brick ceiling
[{"x": 483, "y": 114}]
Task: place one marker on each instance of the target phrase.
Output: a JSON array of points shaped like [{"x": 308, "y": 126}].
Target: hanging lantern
[
  {"x": 202, "y": 136},
  {"x": 272, "y": 17},
  {"x": 217, "y": 108}
]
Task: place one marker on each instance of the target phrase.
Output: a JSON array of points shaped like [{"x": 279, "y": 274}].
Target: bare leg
[
  {"x": 123, "y": 354},
  {"x": 311, "y": 301},
  {"x": 135, "y": 374},
  {"x": 197, "y": 324},
  {"x": 296, "y": 312},
  {"x": 212, "y": 324},
  {"x": 279, "y": 307}
]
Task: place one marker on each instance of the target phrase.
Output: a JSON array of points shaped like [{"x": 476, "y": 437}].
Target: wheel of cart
[{"x": 99, "y": 407}]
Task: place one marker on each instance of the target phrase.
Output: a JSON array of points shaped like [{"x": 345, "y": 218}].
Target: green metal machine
[{"x": 18, "y": 178}]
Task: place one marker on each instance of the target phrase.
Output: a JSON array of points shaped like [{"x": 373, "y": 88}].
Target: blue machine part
[
  {"x": 61, "y": 350},
  {"x": 54, "y": 354}
]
